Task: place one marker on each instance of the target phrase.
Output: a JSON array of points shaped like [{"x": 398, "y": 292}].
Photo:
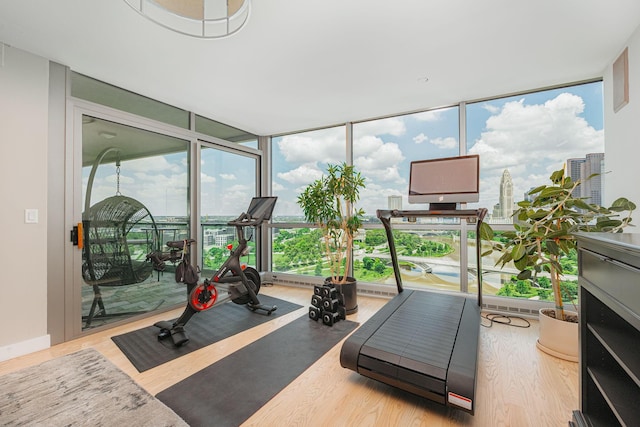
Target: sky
[{"x": 531, "y": 135}]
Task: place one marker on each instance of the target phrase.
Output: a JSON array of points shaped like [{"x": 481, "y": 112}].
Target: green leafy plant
[
  {"x": 544, "y": 230},
  {"x": 329, "y": 203}
]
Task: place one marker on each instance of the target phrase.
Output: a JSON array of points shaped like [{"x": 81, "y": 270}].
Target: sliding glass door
[
  {"x": 227, "y": 184},
  {"x": 135, "y": 197}
]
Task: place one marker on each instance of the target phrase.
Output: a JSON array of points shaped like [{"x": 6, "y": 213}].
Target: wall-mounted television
[{"x": 445, "y": 182}]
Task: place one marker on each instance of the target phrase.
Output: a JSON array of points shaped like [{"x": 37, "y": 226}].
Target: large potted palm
[
  {"x": 543, "y": 233},
  {"x": 329, "y": 202}
]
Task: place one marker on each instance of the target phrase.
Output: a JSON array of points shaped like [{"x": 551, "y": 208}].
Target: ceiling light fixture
[
  {"x": 208, "y": 19},
  {"x": 107, "y": 135}
]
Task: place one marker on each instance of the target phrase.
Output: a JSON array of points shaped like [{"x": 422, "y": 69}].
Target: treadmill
[{"x": 423, "y": 342}]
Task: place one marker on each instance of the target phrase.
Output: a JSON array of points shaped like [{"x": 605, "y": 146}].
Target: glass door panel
[
  {"x": 135, "y": 197},
  {"x": 227, "y": 185}
]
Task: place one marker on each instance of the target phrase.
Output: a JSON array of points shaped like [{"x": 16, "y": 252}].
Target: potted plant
[
  {"x": 329, "y": 202},
  {"x": 543, "y": 233}
]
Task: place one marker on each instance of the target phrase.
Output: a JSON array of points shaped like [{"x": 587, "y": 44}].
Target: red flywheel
[{"x": 203, "y": 296}]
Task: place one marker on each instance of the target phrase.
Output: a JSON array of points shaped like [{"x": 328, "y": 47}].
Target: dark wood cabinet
[{"x": 609, "y": 280}]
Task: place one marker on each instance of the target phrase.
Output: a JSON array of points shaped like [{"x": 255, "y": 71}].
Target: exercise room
[{"x": 241, "y": 212}]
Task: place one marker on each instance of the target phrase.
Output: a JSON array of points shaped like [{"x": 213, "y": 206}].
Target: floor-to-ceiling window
[
  {"x": 522, "y": 140},
  {"x": 428, "y": 249},
  {"x": 297, "y": 160}
]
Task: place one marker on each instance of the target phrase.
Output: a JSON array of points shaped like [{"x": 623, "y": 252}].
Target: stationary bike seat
[{"x": 179, "y": 244}]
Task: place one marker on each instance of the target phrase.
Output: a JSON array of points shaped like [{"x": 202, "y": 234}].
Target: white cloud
[
  {"x": 151, "y": 164},
  {"x": 302, "y": 175},
  {"x": 228, "y": 176},
  {"x": 378, "y": 160},
  {"x": 445, "y": 143},
  {"x": 207, "y": 179},
  {"x": 326, "y": 144},
  {"x": 419, "y": 139},
  {"x": 430, "y": 116},
  {"x": 390, "y": 126}
]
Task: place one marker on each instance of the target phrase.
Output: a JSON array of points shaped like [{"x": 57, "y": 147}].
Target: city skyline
[{"x": 588, "y": 170}]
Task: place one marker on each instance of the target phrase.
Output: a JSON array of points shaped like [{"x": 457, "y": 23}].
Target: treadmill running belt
[{"x": 420, "y": 335}]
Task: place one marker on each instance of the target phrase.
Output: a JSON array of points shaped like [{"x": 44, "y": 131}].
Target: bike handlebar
[
  {"x": 246, "y": 219},
  {"x": 179, "y": 244}
]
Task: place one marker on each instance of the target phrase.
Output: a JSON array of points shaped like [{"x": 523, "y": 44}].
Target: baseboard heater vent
[{"x": 380, "y": 291}]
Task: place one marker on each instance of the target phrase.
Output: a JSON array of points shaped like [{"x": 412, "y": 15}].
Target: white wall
[
  {"x": 24, "y": 82},
  {"x": 622, "y": 134}
]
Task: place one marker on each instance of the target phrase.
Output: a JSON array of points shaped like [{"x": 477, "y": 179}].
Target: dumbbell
[
  {"x": 330, "y": 304},
  {"x": 315, "y": 313},
  {"x": 329, "y": 318},
  {"x": 329, "y": 292},
  {"x": 316, "y": 301},
  {"x": 342, "y": 312}
]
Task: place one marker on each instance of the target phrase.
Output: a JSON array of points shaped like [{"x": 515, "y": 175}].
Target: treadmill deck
[{"x": 423, "y": 342}]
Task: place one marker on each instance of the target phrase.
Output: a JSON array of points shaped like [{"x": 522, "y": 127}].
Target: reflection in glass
[
  {"x": 228, "y": 183},
  {"x": 135, "y": 198}
]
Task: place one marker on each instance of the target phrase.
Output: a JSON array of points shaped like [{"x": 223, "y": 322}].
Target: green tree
[{"x": 375, "y": 237}]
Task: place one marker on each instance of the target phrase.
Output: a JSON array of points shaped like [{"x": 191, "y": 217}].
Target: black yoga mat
[
  {"x": 228, "y": 392},
  {"x": 145, "y": 351}
]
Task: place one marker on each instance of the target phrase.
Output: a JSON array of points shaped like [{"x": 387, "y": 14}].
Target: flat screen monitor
[{"x": 445, "y": 182}]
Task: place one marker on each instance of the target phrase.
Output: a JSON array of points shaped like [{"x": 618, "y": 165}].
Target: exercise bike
[{"x": 242, "y": 282}]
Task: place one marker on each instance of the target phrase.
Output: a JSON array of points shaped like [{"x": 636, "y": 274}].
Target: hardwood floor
[{"x": 518, "y": 385}]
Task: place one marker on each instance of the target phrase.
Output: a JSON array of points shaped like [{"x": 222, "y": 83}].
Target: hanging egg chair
[
  {"x": 119, "y": 232},
  {"x": 111, "y": 256}
]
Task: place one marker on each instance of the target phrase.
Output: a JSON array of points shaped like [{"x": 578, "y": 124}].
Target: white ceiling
[{"x": 302, "y": 64}]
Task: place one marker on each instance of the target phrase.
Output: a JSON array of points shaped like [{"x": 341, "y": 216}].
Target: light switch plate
[{"x": 31, "y": 216}]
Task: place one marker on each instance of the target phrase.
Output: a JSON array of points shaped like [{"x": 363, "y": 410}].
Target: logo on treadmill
[{"x": 461, "y": 401}]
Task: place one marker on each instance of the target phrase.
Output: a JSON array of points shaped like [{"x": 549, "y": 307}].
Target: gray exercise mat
[
  {"x": 228, "y": 392},
  {"x": 145, "y": 351}
]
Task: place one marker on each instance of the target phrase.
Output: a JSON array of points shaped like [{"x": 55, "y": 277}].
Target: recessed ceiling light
[{"x": 107, "y": 135}]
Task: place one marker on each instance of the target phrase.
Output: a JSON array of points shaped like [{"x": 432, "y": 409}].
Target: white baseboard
[{"x": 25, "y": 347}]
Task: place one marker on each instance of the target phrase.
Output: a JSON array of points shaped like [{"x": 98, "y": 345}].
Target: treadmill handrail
[{"x": 477, "y": 215}]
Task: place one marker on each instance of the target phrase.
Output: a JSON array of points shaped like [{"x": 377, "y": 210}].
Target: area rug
[
  {"x": 80, "y": 389},
  {"x": 228, "y": 392},
  {"x": 145, "y": 351}
]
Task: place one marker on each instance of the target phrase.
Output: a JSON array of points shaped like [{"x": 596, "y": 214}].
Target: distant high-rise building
[
  {"x": 504, "y": 208},
  {"x": 394, "y": 202},
  {"x": 528, "y": 197},
  {"x": 581, "y": 169},
  {"x": 574, "y": 170},
  {"x": 592, "y": 188}
]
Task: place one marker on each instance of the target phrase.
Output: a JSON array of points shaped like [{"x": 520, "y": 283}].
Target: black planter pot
[{"x": 349, "y": 291}]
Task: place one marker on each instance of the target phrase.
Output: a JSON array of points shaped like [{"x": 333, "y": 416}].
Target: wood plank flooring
[{"x": 518, "y": 385}]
